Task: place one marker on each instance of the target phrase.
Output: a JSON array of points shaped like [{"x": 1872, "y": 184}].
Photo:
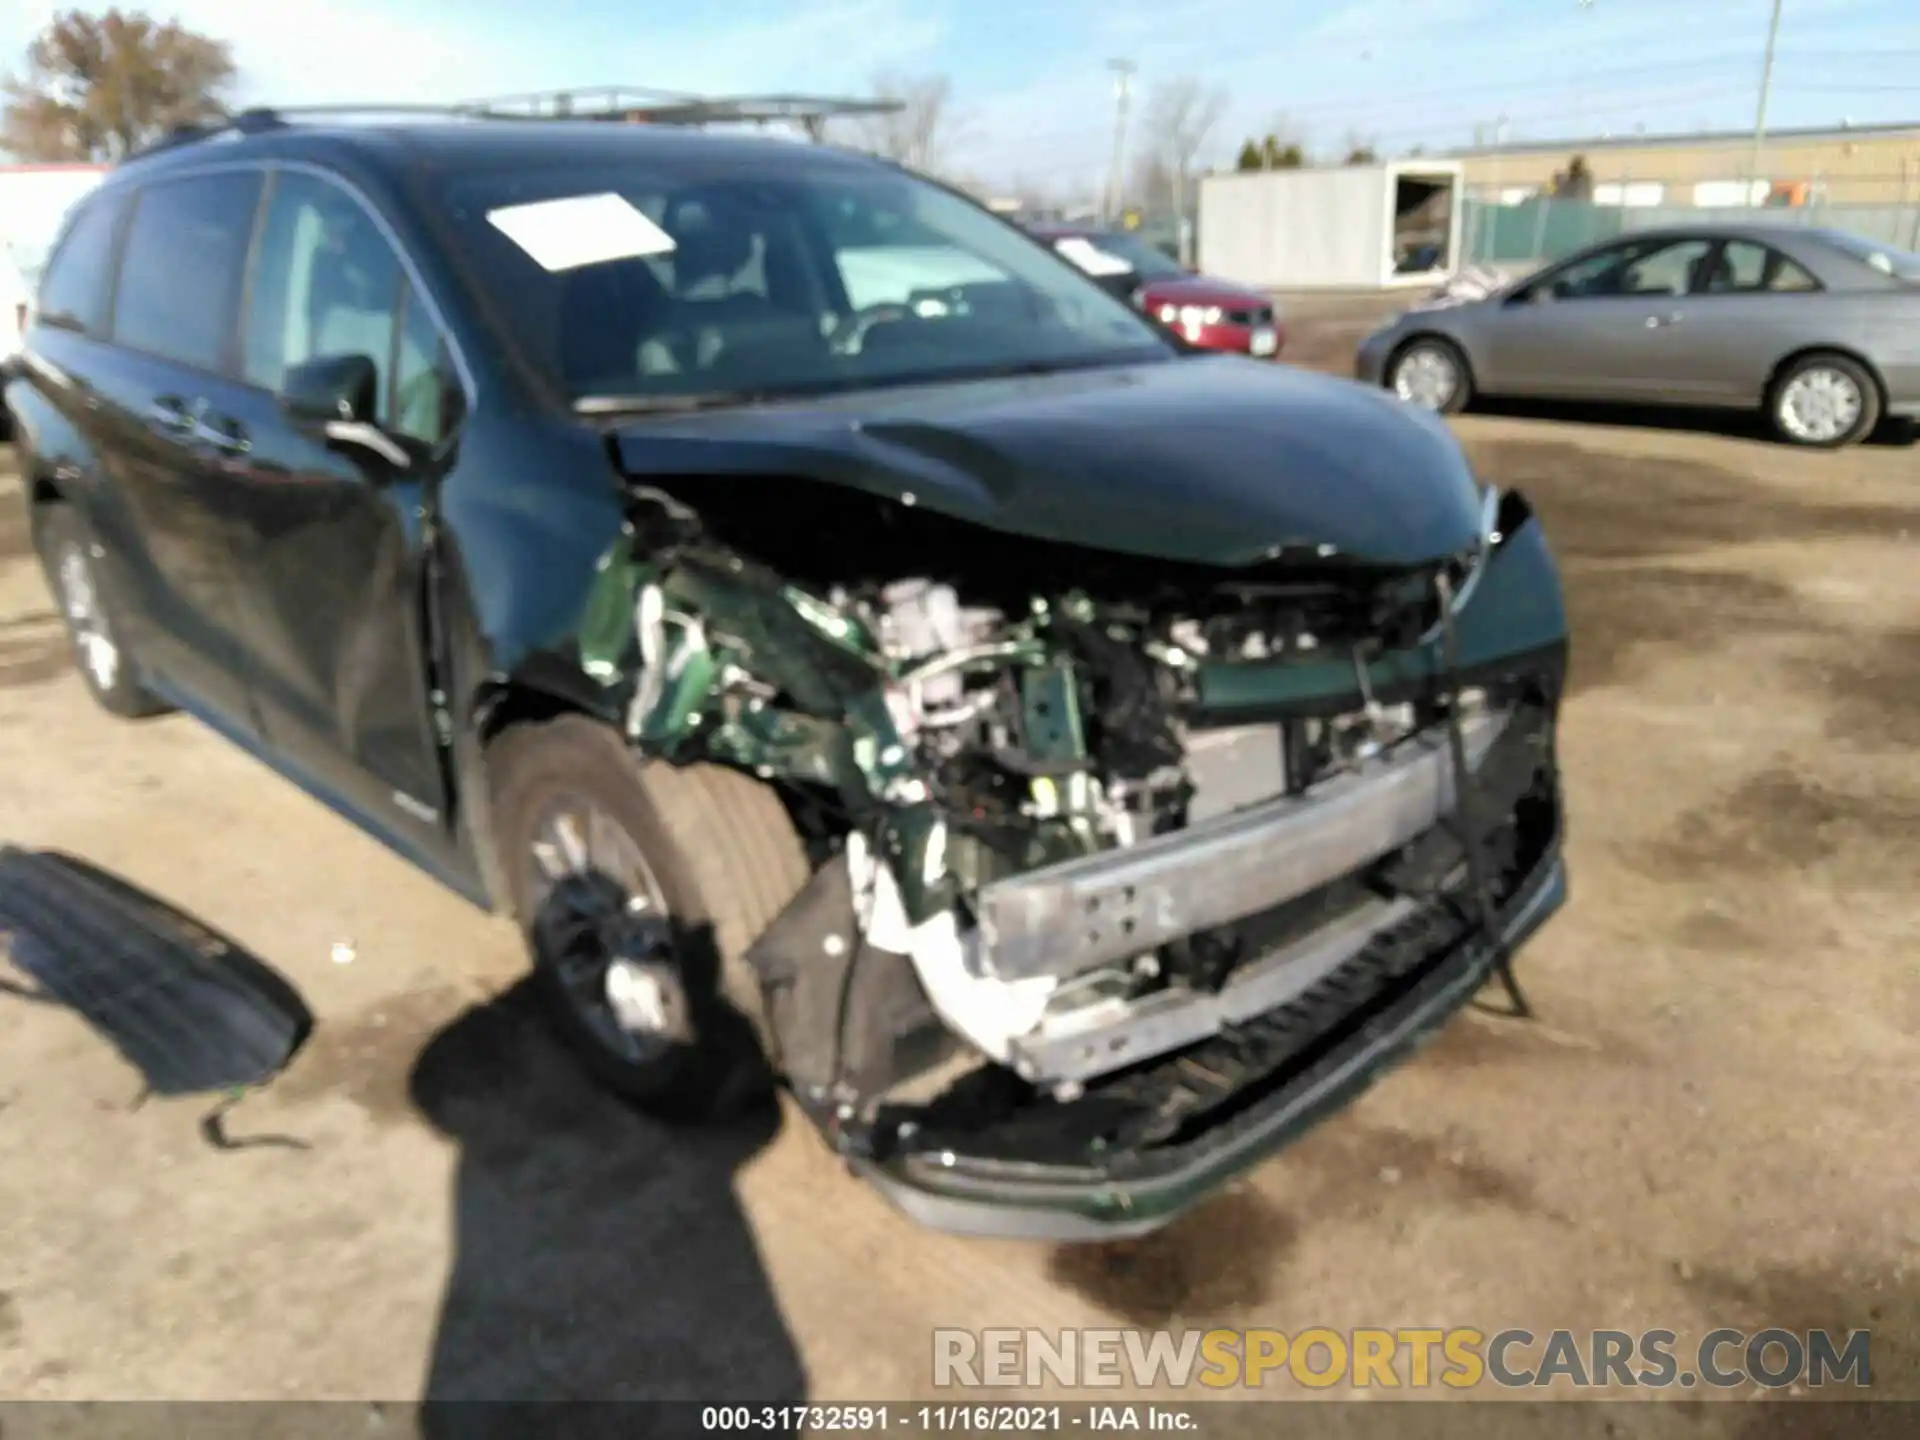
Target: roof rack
[
  {"x": 665, "y": 107},
  {"x": 629, "y": 104}
]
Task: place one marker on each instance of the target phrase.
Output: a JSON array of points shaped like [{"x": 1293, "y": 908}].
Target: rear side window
[
  {"x": 180, "y": 269},
  {"x": 78, "y": 283},
  {"x": 1749, "y": 268}
]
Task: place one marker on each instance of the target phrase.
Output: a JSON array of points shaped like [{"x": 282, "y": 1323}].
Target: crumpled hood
[{"x": 1214, "y": 460}]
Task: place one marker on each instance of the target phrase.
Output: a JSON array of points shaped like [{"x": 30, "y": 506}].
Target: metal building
[
  {"x": 1351, "y": 227},
  {"x": 1840, "y": 165}
]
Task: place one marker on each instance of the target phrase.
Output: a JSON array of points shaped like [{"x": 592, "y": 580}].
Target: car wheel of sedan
[
  {"x": 638, "y": 887},
  {"x": 1433, "y": 375},
  {"x": 70, "y": 556},
  {"x": 1824, "y": 401}
]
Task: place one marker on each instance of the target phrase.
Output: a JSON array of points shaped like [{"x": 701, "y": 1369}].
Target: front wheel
[
  {"x": 638, "y": 887},
  {"x": 1432, "y": 374},
  {"x": 71, "y": 558},
  {"x": 1824, "y": 401}
]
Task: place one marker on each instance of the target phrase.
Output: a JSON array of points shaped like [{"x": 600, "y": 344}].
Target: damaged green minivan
[{"x": 860, "y": 652}]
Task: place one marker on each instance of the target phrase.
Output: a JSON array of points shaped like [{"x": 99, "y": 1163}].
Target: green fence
[{"x": 1534, "y": 231}]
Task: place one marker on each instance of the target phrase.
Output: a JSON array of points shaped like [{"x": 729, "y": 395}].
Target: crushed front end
[{"x": 1126, "y": 871}]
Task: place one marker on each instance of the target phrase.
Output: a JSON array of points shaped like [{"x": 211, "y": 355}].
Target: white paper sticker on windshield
[
  {"x": 1091, "y": 258},
  {"x": 580, "y": 230}
]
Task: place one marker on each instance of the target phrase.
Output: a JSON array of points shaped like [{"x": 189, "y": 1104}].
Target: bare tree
[
  {"x": 1178, "y": 121},
  {"x": 1285, "y": 143},
  {"x": 921, "y": 132},
  {"x": 97, "y": 86}
]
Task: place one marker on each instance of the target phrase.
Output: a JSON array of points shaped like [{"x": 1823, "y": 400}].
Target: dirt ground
[{"x": 1715, "y": 1122}]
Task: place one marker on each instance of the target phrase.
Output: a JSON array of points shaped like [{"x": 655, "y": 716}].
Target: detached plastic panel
[{"x": 188, "y": 1008}]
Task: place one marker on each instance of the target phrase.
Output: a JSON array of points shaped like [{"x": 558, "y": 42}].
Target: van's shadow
[
  {"x": 599, "y": 1255},
  {"x": 1892, "y": 433}
]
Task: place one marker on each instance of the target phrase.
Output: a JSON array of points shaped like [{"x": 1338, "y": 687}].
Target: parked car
[
  {"x": 1213, "y": 314},
  {"x": 1039, "y": 745},
  {"x": 1818, "y": 329}
]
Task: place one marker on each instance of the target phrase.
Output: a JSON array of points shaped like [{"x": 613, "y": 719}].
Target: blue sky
[{"x": 1029, "y": 76}]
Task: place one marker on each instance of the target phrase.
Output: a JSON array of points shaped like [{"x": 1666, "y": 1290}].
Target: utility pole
[
  {"x": 1760, "y": 115},
  {"x": 1123, "y": 73},
  {"x": 1580, "y": 84}
]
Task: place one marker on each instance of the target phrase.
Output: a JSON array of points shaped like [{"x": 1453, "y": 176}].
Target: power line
[
  {"x": 1047, "y": 152},
  {"x": 1826, "y": 89},
  {"x": 1123, "y": 72},
  {"x": 1479, "y": 93},
  {"x": 1478, "y": 96},
  {"x": 1040, "y": 167}
]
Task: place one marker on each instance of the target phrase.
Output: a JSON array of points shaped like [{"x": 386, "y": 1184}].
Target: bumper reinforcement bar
[{"x": 1072, "y": 917}]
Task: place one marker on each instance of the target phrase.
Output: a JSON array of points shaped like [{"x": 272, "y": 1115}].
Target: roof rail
[
  {"x": 260, "y": 119},
  {"x": 617, "y": 103},
  {"x": 244, "y": 122}
]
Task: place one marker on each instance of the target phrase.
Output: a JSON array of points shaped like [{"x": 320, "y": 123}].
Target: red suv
[{"x": 1214, "y": 314}]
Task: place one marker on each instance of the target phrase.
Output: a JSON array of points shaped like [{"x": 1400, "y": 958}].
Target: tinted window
[
  {"x": 781, "y": 276},
  {"x": 78, "y": 282},
  {"x": 420, "y": 390},
  {"x": 1667, "y": 270},
  {"x": 180, "y": 269},
  {"x": 1747, "y": 267},
  {"x": 328, "y": 283}
]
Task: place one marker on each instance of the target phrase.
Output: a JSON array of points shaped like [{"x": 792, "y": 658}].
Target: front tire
[
  {"x": 1431, "y": 373},
  {"x": 70, "y": 555},
  {"x": 638, "y": 887},
  {"x": 1824, "y": 401}
]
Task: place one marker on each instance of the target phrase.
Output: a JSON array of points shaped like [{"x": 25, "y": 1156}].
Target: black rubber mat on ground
[{"x": 188, "y": 1008}]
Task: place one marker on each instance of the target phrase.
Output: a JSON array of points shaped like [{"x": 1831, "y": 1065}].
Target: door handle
[
  {"x": 222, "y": 434},
  {"x": 170, "y": 413},
  {"x": 1654, "y": 322}
]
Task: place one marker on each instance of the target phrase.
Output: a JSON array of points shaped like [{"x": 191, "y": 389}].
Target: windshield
[
  {"x": 1146, "y": 260},
  {"x": 703, "y": 277},
  {"x": 1887, "y": 259}
]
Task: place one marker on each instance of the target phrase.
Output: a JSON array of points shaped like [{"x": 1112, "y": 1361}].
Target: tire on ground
[
  {"x": 727, "y": 859},
  {"x": 60, "y": 529},
  {"x": 1463, "y": 388},
  {"x": 1864, "y": 424}
]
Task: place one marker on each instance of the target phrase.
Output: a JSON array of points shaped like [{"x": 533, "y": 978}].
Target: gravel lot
[{"x": 1714, "y": 1123}]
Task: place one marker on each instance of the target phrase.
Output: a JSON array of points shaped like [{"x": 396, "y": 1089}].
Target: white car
[
  {"x": 14, "y": 300},
  {"x": 15, "y": 304}
]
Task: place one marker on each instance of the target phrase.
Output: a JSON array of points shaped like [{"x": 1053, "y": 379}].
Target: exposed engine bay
[{"x": 1042, "y": 842}]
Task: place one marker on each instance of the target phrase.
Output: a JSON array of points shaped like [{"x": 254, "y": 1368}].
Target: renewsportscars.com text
[{"x": 1406, "y": 1357}]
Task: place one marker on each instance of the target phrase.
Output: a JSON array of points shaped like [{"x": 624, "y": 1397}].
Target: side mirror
[
  {"x": 331, "y": 387},
  {"x": 340, "y": 395}
]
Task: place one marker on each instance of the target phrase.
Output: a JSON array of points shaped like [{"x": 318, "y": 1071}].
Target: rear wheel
[
  {"x": 1431, "y": 373},
  {"x": 1824, "y": 401},
  {"x": 70, "y": 554},
  {"x": 638, "y": 887}
]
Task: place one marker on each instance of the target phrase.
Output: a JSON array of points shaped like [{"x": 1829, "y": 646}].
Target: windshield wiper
[
  {"x": 666, "y": 404},
  {"x": 1058, "y": 366}
]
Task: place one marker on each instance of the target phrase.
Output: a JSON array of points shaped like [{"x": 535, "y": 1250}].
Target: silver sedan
[{"x": 1817, "y": 328}]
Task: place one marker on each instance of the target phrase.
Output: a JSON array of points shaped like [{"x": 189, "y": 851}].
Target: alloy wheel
[
  {"x": 1821, "y": 404},
  {"x": 86, "y": 618},
  {"x": 1426, "y": 376},
  {"x": 601, "y": 926}
]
